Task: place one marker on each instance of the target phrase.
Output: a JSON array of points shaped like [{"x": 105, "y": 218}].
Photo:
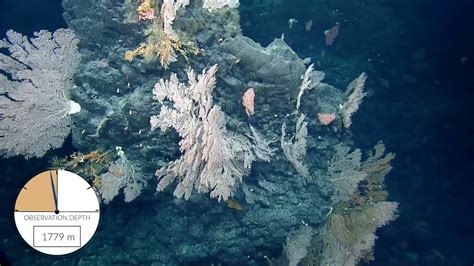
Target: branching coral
[
  {"x": 349, "y": 234},
  {"x": 213, "y": 159},
  {"x": 88, "y": 165},
  {"x": 162, "y": 41}
]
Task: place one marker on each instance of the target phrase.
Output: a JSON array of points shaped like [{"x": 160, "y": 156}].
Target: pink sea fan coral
[
  {"x": 248, "y": 101},
  {"x": 146, "y": 11},
  {"x": 147, "y": 15},
  {"x": 326, "y": 119},
  {"x": 331, "y": 34}
]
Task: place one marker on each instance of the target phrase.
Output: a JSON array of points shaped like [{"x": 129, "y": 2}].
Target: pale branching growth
[
  {"x": 168, "y": 13},
  {"x": 311, "y": 79},
  {"x": 347, "y": 170},
  {"x": 349, "y": 233},
  {"x": 349, "y": 237},
  {"x": 34, "y": 93},
  {"x": 120, "y": 175},
  {"x": 353, "y": 98},
  {"x": 377, "y": 165},
  {"x": 345, "y": 173},
  {"x": 213, "y": 5},
  {"x": 261, "y": 148},
  {"x": 212, "y": 158},
  {"x": 295, "y": 151},
  {"x": 297, "y": 244},
  {"x": 162, "y": 41}
]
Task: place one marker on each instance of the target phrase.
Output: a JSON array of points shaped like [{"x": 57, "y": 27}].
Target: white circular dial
[{"x": 57, "y": 212}]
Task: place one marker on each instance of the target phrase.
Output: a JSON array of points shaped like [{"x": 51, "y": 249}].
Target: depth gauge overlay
[{"x": 57, "y": 212}]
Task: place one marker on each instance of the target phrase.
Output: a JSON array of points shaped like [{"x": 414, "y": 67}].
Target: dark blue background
[
  {"x": 27, "y": 16},
  {"x": 429, "y": 124}
]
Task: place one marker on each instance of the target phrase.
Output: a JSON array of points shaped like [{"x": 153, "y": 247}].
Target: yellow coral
[
  {"x": 87, "y": 165},
  {"x": 97, "y": 182},
  {"x": 233, "y": 204},
  {"x": 160, "y": 44},
  {"x": 130, "y": 55}
]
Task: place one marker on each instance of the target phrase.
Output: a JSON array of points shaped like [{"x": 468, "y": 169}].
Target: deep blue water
[{"x": 427, "y": 121}]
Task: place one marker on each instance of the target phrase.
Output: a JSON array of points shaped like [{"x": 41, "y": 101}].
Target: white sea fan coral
[
  {"x": 354, "y": 95},
  {"x": 168, "y": 13},
  {"x": 34, "y": 95},
  {"x": 297, "y": 244},
  {"x": 295, "y": 151},
  {"x": 121, "y": 174},
  {"x": 212, "y": 158},
  {"x": 345, "y": 172},
  {"x": 350, "y": 237},
  {"x": 310, "y": 80}
]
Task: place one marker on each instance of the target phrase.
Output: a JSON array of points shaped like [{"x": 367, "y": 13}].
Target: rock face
[
  {"x": 275, "y": 64},
  {"x": 116, "y": 98}
]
